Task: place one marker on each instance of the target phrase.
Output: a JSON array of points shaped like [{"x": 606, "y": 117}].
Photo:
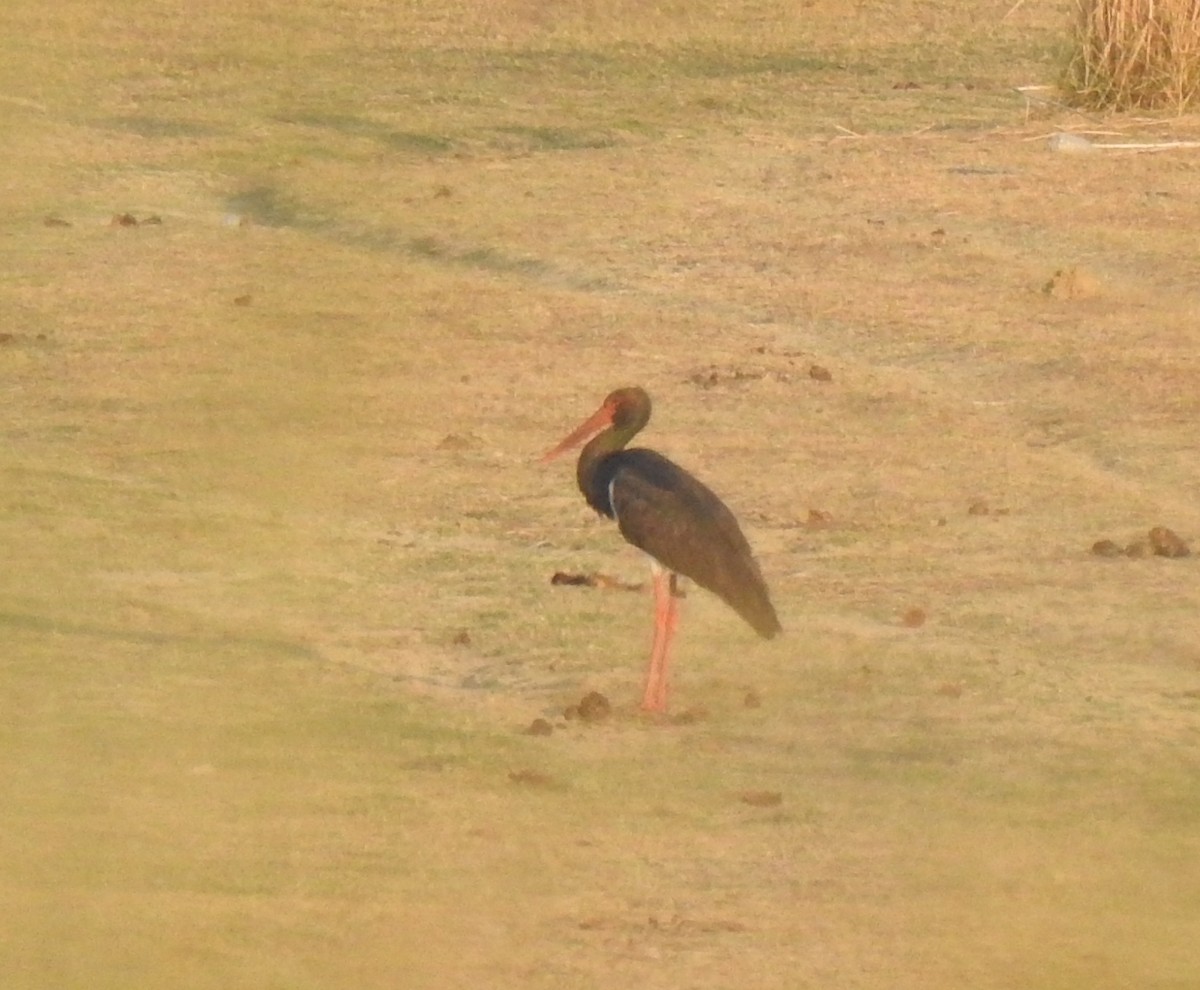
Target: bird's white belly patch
[{"x": 612, "y": 505}]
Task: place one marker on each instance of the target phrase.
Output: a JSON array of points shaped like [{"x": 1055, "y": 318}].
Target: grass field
[{"x": 277, "y": 607}]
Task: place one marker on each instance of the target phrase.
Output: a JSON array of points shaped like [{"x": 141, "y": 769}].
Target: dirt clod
[
  {"x": 761, "y": 799},
  {"x": 752, "y": 699},
  {"x": 1167, "y": 543},
  {"x": 456, "y": 441},
  {"x": 123, "y": 220},
  {"x": 914, "y": 618},
  {"x": 461, "y": 638},
  {"x": 594, "y": 707},
  {"x": 690, "y": 716},
  {"x": 1071, "y": 283},
  {"x": 712, "y": 376},
  {"x": 532, "y": 778},
  {"x": 539, "y": 727},
  {"x": 1106, "y": 548},
  {"x": 594, "y": 580},
  {"x": 818, "y": 519},
  {"x": 819, "y": 373}
]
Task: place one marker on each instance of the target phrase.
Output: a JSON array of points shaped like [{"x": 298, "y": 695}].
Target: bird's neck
[{"x": 607, "y": 442}]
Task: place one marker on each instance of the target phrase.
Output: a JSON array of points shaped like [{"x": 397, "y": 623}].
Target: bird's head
[{"x": 625, "y": 410}]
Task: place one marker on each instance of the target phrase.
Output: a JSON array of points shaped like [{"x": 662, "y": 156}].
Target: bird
[{"x": 672, "y": 516}]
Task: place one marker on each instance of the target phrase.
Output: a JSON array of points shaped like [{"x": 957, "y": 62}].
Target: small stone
[
  {"x": 539, "y": 727},
  {"x": 1070, "y": 144},
  {"x": 1106, "y": 548}
]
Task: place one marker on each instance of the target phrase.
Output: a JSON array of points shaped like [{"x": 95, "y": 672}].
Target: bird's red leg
[
  {"x": 662, "y": 593},
  {"x": 664, "y": 660},
  {"x": 666, "y": 619}
]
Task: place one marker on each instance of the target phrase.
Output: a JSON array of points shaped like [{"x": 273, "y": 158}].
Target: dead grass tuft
[{"x": 1135, "y": 54}]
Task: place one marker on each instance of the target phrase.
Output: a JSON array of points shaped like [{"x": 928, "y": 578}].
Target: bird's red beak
[{"x": 596, "y": 422}]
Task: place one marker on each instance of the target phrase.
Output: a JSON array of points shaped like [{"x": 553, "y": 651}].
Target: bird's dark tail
[
  {"x": 751, "y": 600},
  {"x": 761, "y": 615}
]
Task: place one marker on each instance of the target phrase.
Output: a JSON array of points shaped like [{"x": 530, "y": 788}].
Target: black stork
[{"x": 672, "y": 516}]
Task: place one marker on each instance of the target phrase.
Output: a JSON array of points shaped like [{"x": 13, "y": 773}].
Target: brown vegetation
[{"x": 1136, "y": 54}]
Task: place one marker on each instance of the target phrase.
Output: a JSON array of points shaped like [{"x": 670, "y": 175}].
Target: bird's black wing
[{"x": 678, "y": 520}]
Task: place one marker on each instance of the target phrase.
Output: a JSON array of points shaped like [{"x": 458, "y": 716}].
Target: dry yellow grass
[
  {"x": 1136, "y": 54},
  {"x": 257, "y": 480}
]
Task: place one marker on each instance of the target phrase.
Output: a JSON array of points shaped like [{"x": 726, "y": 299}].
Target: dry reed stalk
[{"x": 1135, "y": 54}]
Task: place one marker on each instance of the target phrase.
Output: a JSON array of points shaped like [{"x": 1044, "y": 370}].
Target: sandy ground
[{"x": 277, "y": 604}]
